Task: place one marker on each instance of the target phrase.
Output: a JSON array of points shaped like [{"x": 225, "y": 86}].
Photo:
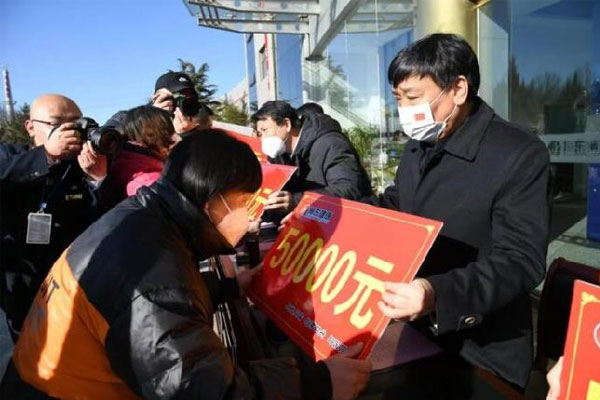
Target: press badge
[{"x": 39, "y": 226}]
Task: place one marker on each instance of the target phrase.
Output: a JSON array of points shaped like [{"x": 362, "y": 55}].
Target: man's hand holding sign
[
  {"x": 322, "y": 280},
  {"x": 408, "y": 301},
  {"x": 274, "y": 178}
]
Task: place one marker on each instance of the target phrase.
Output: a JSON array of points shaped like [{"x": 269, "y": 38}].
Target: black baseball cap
[{"x": 174, "y": 82}]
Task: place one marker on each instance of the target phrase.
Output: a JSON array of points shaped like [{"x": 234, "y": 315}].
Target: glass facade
[
  {"x": 540, "y": 67},
  {"x": 251, "y": 74},
  {"x": 288, "y": 53},
  {"x": 351, "y": 80}
]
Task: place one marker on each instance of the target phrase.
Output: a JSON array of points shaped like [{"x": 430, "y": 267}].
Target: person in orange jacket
[{"x": 125, "y": 314}]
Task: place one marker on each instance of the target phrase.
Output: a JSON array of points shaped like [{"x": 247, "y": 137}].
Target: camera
[
  {"x": 188, "y": 105},
  {"x": 104, "y": 139}
]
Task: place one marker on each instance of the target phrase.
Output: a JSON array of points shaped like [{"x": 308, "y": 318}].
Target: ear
[
  {"x": 29, "y": 128},
  {"x": 460, "y": 90},
  {"x": 288, "y": 124}
]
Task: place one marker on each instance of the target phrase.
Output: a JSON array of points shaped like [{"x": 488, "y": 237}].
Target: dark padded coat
[
  {"x": 141, "y": 324},
  {"x": 327, "y": 162}
]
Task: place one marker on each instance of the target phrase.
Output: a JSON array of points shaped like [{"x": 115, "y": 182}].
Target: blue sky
[{"x": 107, "y": 54}]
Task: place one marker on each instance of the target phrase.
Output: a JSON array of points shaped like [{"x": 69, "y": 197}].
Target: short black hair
[
  {"x": 209, "y": 162},
  {"x": 278, "y": 111},
  {"x": 204, "y": 117},
  {"x": 442, "y": 56},
  {"x": 309, "y": 109},
  {"x": 205, "y": 110}
]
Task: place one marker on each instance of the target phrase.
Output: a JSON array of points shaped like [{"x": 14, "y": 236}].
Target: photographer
[
  {"x": 47, "y": 195},
  {"x": 175, "y": 92}
]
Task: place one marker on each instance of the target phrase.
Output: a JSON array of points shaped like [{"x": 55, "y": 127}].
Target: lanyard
[{"x": 45, "y": 199}]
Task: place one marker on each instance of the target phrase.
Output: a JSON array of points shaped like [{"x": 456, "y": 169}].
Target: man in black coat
[
  {"x": 47, "y": 196},
  {"x": 326, "y": 160},
  {"x": 486, "y": 180}
]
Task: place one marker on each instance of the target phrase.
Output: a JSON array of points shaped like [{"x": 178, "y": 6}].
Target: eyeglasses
[{"x": 53, "y": 124}]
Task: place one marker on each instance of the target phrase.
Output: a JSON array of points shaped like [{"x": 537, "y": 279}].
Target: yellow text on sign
[
  {"x": 593, "y": 392},
  {"x": 256, "y": 201},
  {"x": 317, "y": 266}
]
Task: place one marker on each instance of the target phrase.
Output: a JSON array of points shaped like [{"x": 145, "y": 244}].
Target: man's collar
[
  {"x": 464, "y": 142},
  {"x": 297, "y": 140}
]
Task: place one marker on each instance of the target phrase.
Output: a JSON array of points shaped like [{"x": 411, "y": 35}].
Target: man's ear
[
  {"x": 29, "y": 128},
  {"x": 288, "y": 125},
  {"x": 460, "y": 90}
]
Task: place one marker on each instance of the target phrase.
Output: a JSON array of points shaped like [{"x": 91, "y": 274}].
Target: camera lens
[
  {"x": 190, "y": 106},
  {"x": 105, "y": 140},
  {"x": 187, "y": 103}
]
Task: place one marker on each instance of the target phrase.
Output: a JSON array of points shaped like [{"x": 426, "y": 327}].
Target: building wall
[
  {"x": 251, "y": 75},
  {"x": 265, "y": 67},
  {"x": 238, "y": 96}
]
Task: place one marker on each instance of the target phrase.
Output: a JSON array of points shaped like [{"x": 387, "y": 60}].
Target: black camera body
[
  {"x": 188, "y": 105},
  {"x": 104, "y": 139}
]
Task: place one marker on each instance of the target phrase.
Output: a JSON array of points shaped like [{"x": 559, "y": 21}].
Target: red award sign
[
  {"x": 254, "y": 143},
  {"x": 580, "y": 378},
  {"x": 274, "y": 178},
  {"x": 324, "y": 275}
]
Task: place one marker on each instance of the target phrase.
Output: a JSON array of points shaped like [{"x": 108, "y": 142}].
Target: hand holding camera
[
  {"x": 63, "y": 142},
  {"x": 186, "y": 100},
  {"x": 87, "y": 141},
  {"x": 103, "y": 139},
  {"x": 163, "y": 99},
  {"x": 93, "y": 164}
]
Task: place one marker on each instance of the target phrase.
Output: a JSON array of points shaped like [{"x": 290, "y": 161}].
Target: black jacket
[
  {"x": 25, "y": 181},
  {"x": 327, "y": 162},
  {"x": 488, "y": 183},
  {"x": 137, "y": 269}
]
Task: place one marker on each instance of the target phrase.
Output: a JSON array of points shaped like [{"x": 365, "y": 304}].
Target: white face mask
[
  {"x": 234, "y": 225},
  {"x": 418, "y": 123},
  {"x": 273, "y": 146}
]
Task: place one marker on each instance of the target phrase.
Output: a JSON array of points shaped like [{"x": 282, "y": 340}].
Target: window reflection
[
  {"x": 540, "y": 64},
  {"x": 289, "y": 61},
  {"x": 350, "y": 82}
]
